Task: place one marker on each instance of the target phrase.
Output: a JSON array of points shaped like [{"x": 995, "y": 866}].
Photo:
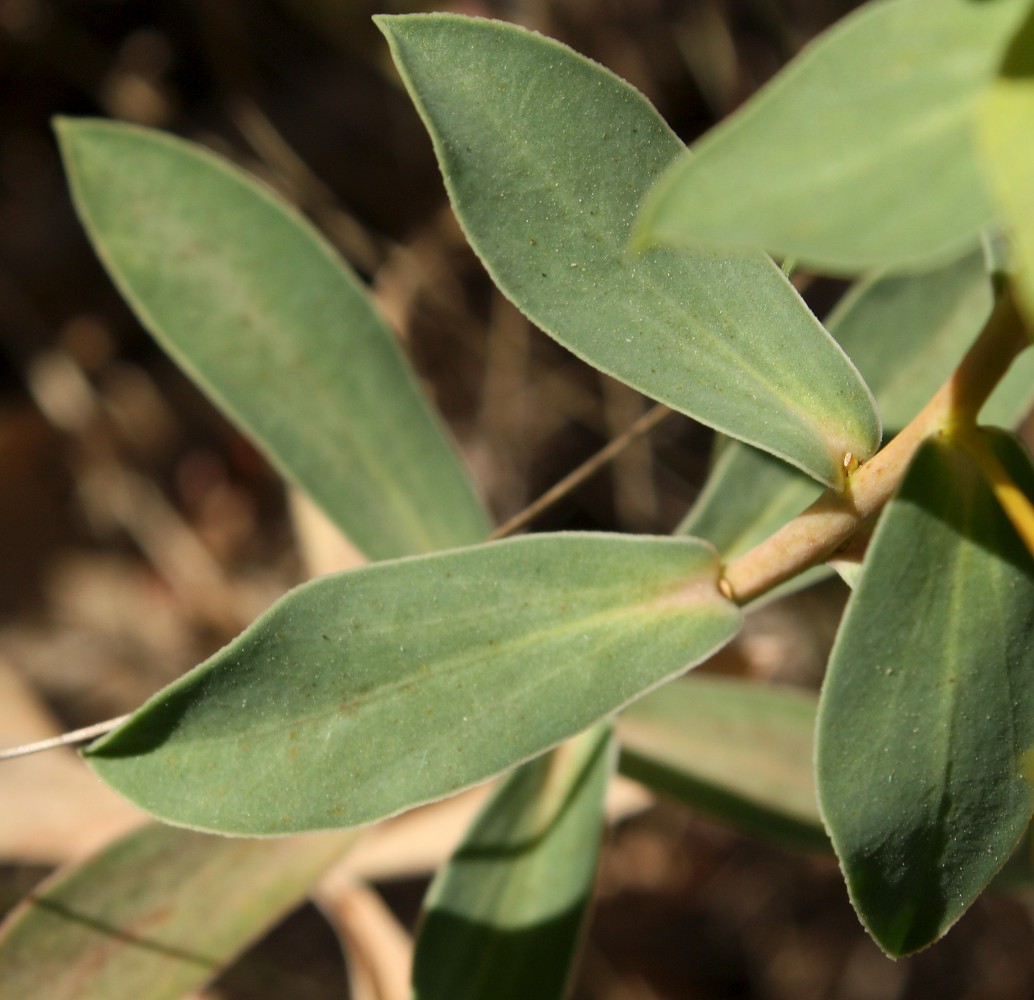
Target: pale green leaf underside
[
  {"x": 260, "y": 312},
  {"x": 1008, "y": 153},
  {"x": 156, "y": 914},
  {"x": 927, "y": 713},
  {"x": 546, "y": 156},
  {"x": 906, "y": 334},
  {"x": 504, "y": 918},
  {"x": 737, "y": 750},
  {"x": 860, "y": 154},
  {"x": 362, "y": 694}
]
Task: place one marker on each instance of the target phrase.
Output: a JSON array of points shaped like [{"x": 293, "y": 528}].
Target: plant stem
[
  {"x": 1011, "y": 498},
  {"x": 830, "y": 522},
  {"x": 65, "y": 739}
]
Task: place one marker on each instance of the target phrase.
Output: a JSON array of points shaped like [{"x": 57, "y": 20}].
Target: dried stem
[{"x": 65, "y": 739}]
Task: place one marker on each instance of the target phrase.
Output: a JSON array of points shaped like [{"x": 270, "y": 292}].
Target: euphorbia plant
[{"x": 895, "y": 150}]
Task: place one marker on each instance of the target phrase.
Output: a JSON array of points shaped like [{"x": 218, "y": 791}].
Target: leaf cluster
[{"x": 895, "y": 151}]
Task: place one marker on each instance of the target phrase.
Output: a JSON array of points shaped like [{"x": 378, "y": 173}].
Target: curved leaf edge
[
  {"x": 66, "y": 127},
  {"x": 833, "y": 477},
  {"x": 98, "y": 747}
]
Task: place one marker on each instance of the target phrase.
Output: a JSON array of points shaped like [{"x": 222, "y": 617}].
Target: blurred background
[{"x": 139, "y": 531}]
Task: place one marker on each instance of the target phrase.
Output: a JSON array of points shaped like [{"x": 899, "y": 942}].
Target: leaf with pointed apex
[
  {"x": 737, "y": 750},
  {"x": 545, "y": 156},
  {"x": 260, "y": 312},
  {"x": 860, "y": 154},
  {"x": 503, "y": 920},
  {"x": 156, "y": 914},
  {"x": 926, "y": 719},
  {"x": 1008, "y": 153},
  {"x": 365, "y": 693}
]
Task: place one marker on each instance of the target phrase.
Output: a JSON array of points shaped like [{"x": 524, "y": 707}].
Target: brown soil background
[{"x": 139, "y": 531}]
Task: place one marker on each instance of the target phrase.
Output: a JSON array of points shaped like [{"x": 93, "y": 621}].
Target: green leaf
[
  {"x": 504, "y": 919},
  {"x": 860, "y": 154},
  {"x": 546, "y": 156},
  {"x": 361, "y": 694},
  {"x": 926, "y": 720},
  {"x": 1008, "y": 153},
  {"x": 1013, "y": 397},
  {"x": 931, "y": 320},
  {"x": 737, "y": 750},
  {"x": 747, "y": 497},
  {"x": 156, "y": 914},
  {"x": 256, "y": 307}
]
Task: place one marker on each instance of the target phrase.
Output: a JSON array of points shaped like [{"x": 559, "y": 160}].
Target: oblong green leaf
[
  {"x": 926, "y": 719},
  {"x": 257, "y": 308},
  {"x": 737, "y": 750},
  {"x": 504, "y": 918},
  {"x": 1008, "y": 153},
  {"x": 930, "y": 319},
  {"x": 860, "y": 154},
  {"x": 545, "y": 156},
  {"x": 365, "y": 693},
  {"x": 156, "y": 914}
]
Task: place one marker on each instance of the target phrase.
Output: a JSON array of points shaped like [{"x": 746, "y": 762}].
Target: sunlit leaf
[
  {"x": 860, "y": 154},
  {"x": 503, "y": 919},
  {"x": 362, "y": 694},
  {"x": 737, "y": 750},
  {"x": 1008, "y": 152},
  {"x": 906, "y": 335},
  {"x": 156, "y": 914},
  {"x": 546, "y": 156},
  {"x": 260, "y": 312},
  {"x": 926, "y": 721}
]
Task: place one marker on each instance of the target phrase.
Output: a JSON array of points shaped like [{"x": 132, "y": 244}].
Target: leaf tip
[{"x": 384, "y": 22}]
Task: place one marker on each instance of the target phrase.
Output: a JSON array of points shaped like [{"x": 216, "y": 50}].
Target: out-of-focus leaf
[
  {"x": 860, "y": 154},
  {"x": 740, "y": 751},
  {"x": 260, "y": 312},
  {"x": 503, "y": 919},
  {"x": 1013, "y": 397},
  {"x": 926, "y": 720},
  {"x": 1008, "y": 153},
  {"x": 156, "y": 914},
  {"x": 546, "y": 156},
  {"x": 421, "y": 677}
]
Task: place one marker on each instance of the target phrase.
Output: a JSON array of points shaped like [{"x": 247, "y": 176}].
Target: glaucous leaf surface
[
  {"x": 545, "y": 156},
  {"x": 361, "y": 694},
  {"x": 260, "y": 312},
  {"x": 1008, "y": 152},
  {"x": 926, "y": 719},
  {"x": 156, "y": 914},
  {"x": 906, "y": 334},
  {"x": 503, "y": 920},
  {"x": 860, "y": 154},
  {"x": 737, "y": 750},
  {"x": 930, "y": 319}
]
